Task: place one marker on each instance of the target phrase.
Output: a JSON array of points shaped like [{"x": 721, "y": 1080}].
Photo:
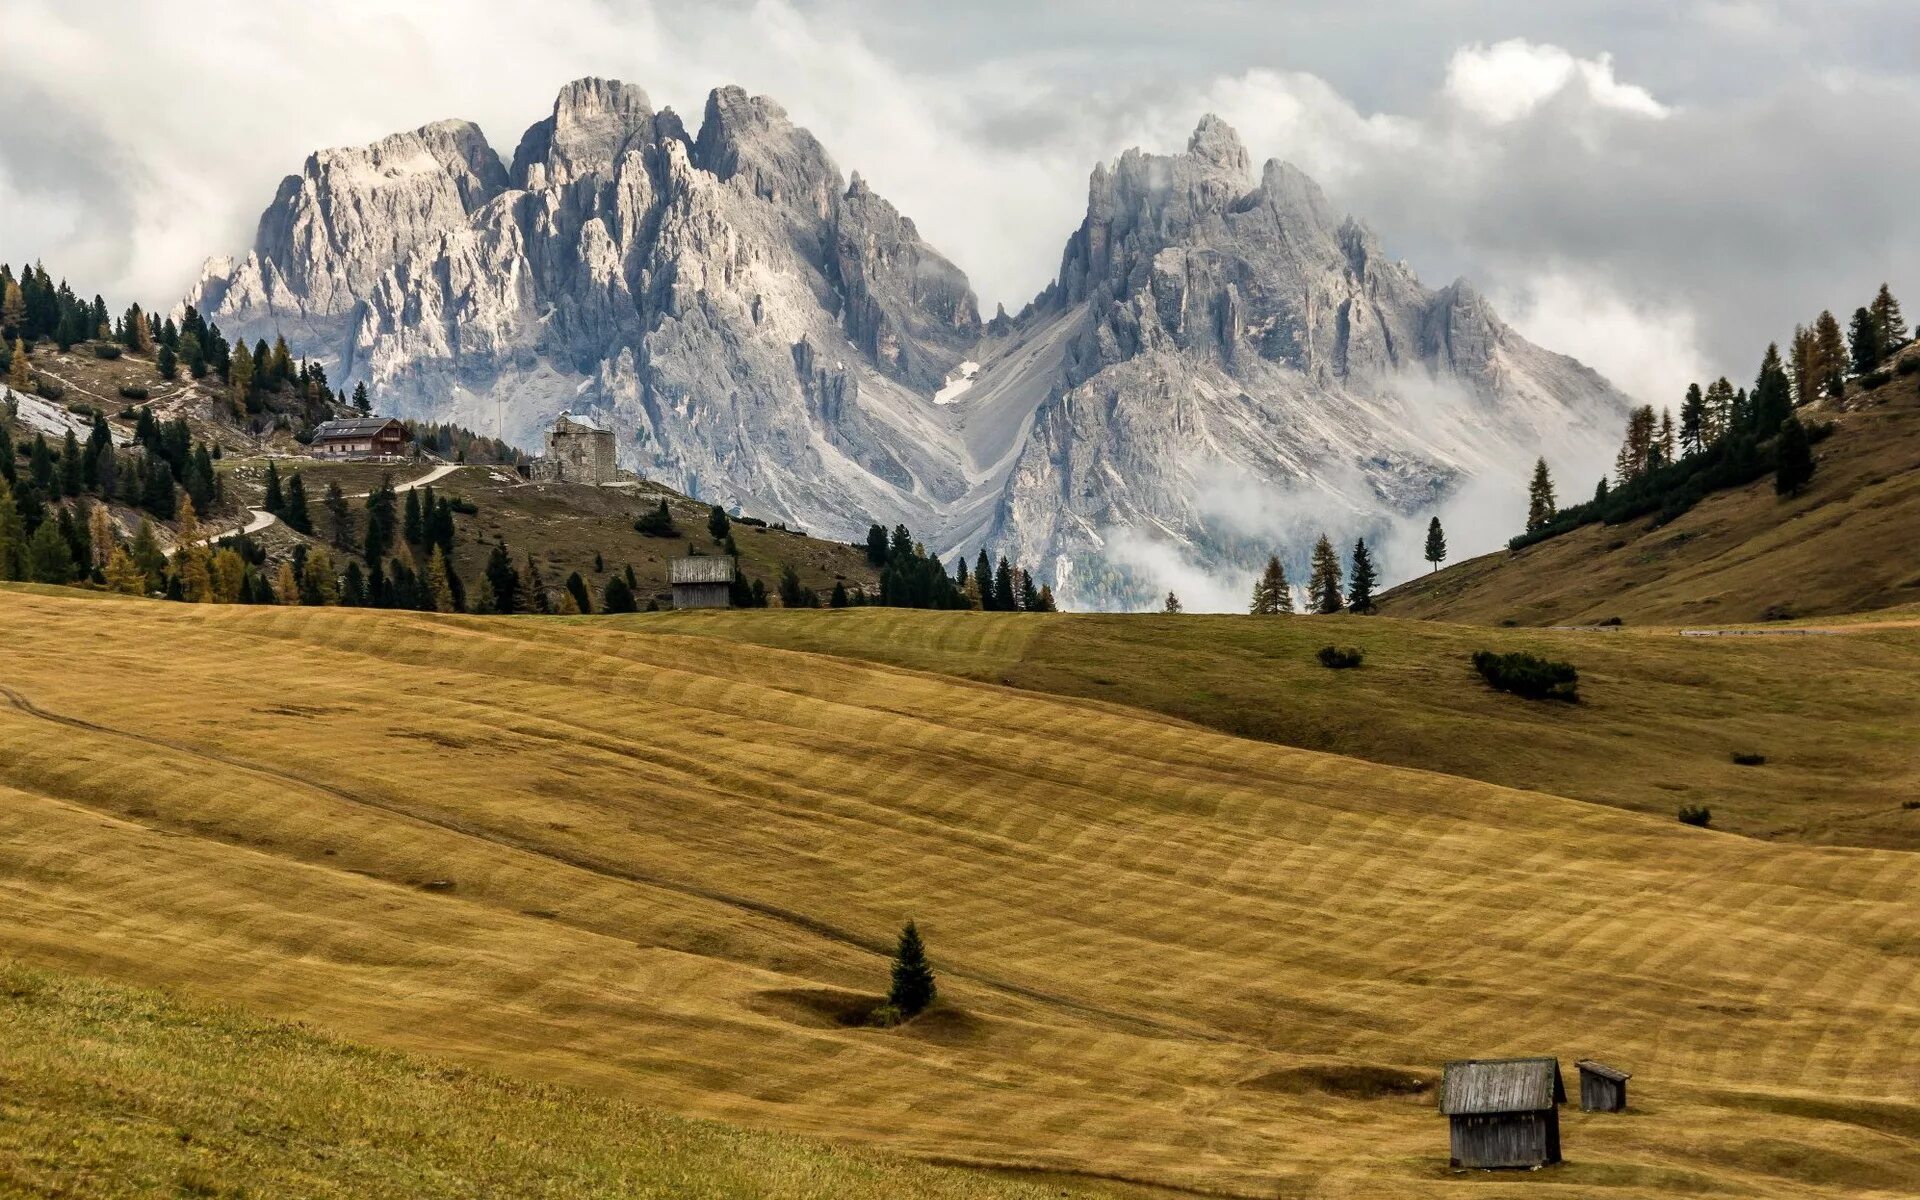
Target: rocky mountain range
[{"x": 1223, "y": 363}]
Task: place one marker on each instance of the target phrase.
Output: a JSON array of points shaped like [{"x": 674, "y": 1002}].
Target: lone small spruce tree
[
  {"x": 1272, "y": 595},
  {"x": 1324, "y": 585},
  {"x": 913, "y": 986},
  {"x": 1360, "y": 594},
  {"x": 1436, "y": 552},
  {"x": 1796, "y": 459},
  {"x": 1540, "y": 500},
  {"x": 1172, "y": 604}
]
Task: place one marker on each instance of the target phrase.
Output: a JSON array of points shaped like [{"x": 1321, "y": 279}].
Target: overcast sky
[{"x": 1656, "y": 187}]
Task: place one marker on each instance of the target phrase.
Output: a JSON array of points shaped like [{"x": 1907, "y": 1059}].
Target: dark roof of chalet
[
  {"x": 1501, "y": 1085},
  {"x": 1603, "y": 1070},
  {"x": 702, "y": 568},
  {"x": 352, "y": 427}
]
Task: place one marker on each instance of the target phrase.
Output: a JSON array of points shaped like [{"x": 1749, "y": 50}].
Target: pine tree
[
  {"x": 1665, "y": 439},
  {"x": 340, "y": 517},
  {"x": 1436, "y": 551},
  {"x": 840, "y": 598},
  {"x": 147, "y": 555},
  {"x": 618, "y": 597},
  {"x": 412, "y": 528},
  {"x": 166, "y": 362},
  {"x": 1171, "y": 604},
  {"x": 1720, "y": 409},
  {"x": 1801, "y": 360},
  {"x": 1271, "y": 593},
  {"x": 1003, "y": 598},
  {"x": 1637, "y": 448},
  {"x": 318, "y": 584},
  {"x": 361, "y": 401},
  {"x": 877, "y": 545},
  {"x": 1540, "y": 500},
  {"x": 1772, "y": 397},
  {"x": 1887, "y": 322},
  {"x": 1693, "y": 421},
  {"x": 983, "y": 580},
  {"x": 440, "y": 589},
  {"x": 296, "y": 515},
  {"x": 1796, "y": 459},
  {"x": 13, "y": 536},
  {"x": 72, "y": 472},
  {"x": 1360, "y": 595},
  {"x": 49, "y": 559},
  {"x": 1323, "y": 586},
  {"x": 912, "y": 988},
  {"x": 577, "y": 588},
  {"x": 275, "y": 499},
  {"x": 240, "y": 381},
  {"x": 717, "y": 523},
  {"x": 503, "y": 580},
  {"x": 1863, "y": 339}
]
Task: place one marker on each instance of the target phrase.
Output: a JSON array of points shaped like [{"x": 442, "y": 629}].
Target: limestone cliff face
[{"x": 762, "y": 332}]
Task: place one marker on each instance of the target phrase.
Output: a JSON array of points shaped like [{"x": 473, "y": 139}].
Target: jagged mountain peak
[
  {"x": 592, "y": 121},
  {"x": 1216, "y": 142}
]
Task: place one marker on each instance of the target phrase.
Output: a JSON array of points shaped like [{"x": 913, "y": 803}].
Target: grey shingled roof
[
  {"x": 702, "y": 568},
  {"x": 1603, "y": 1070},
  {"x": 1501, "y": 1085},
  {"x": 351, "y": 427}
]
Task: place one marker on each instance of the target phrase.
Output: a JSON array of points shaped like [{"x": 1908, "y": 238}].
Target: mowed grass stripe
[{"x": 1252, "y": 906}]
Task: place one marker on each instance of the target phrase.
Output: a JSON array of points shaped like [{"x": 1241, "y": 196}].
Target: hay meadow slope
[
  {"x": 1661, "y": 719},
  {"x": 657, "y": 866}
]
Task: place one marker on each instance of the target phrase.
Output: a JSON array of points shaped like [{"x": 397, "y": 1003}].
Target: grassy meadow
[
  {"x": 115, "y": 1091},
  {"x": 1837, "y": 718},
  {"x": 661, "y": 868}
]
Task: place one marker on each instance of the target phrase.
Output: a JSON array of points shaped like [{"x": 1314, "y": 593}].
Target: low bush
[
  {"x": 885, "y": 1016},
  {"x": 1908, "y": 365},
  {"x": 463, "y": 506},
  {"x": 656, "y": 522},
  {"x": 1873, "y": 379},
  {"x": 132, "y": 391},
  {"x": 106, "y": 350},
  {"x": 1696, "y": 814},
  {"x": 49, "y": 389},
  {"x": 1339, "y": 658},
  {"x": 1749, "y": 760},
  {"x": 1528, "y": 675},
  {"x": 1910, "y": 805},
  {"x": 762, "y": 522}
]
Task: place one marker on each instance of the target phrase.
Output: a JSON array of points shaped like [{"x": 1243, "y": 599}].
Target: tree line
[
  {"x": 910, "y": 577},
  {"x": 1729, "y": 436}
]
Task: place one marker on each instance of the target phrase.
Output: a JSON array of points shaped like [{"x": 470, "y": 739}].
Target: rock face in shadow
[{"x": 1218, "y": 356}]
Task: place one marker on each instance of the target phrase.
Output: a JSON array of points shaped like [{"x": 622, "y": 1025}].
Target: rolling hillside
[
  {"x": 1662, "y": 716},
  {"x": 1844, "y": 545},
  {"x": 663, "y": 867}
]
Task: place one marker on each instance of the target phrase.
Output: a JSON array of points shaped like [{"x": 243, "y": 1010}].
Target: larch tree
[
  {"x": 1363, "y": 576},
  {"x": 19, "y": 374},
  {"x": 318, "y": 584},
  {"x": 1666, "y": 439},
  {"x": 123, "y": 575},
  {"x": 1887, "y": 322},
  {"x": 192, "y": 560},
  {"x": 1829, "y": 355},
  {"x": 1323, "y": 586},
  {"x": 1540, "y": 499},
  {"x": 286, "y": 585},
  {"x": 1637, "y": 447},
  {"x": 440, "y": 586},
  {"x": 1436, "y": 549}
]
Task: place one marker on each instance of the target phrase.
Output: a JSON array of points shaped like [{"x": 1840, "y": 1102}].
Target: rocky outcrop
[{"x": 764, "y": 333}]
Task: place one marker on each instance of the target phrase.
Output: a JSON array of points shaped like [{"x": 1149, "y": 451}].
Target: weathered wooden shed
[
  {"x": 702, "y": 581},
  {"x": 1504, "y": 1112},
  {"x": 1602, "y": 1088}
]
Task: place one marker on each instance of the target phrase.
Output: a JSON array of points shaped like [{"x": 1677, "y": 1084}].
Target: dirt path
[
  {"x": 1806, "y": 630},
  {"x": 434, "y": 476},
  {"x": 260, "y": 518}
]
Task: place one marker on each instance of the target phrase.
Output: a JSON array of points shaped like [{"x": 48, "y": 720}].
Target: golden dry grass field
[
  {"x": 657, "y": 866},
  {"x": 1661, "y": 717}
]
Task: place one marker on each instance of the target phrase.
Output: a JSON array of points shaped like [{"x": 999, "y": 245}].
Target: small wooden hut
[
  {"x": 702, "y": 581},
  {"x": 1504, "y": 1112},
  {"x": 1602, "y": 1088}
]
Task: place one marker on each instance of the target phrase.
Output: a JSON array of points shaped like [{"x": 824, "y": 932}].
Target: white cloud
[
  {"x": 1642, "y": 346},
  {"x": 1509, "y": 80}
]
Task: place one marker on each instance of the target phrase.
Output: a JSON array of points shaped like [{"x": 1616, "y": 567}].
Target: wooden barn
[
  {"x": 1504, "y": 1112},
  {"x": 702, "y": 581},
  {"x": 359, "y": 437},
  {"x": 1602, "y": 1088}
]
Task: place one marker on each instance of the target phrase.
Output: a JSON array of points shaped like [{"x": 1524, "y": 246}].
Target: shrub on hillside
[
  {"x": 132, "y": 391},
  {"x": 49, "y": 389},
  {"x": 106, "y": 350},
  {"x": 656, "y": 522},
  {"x": 1743, "y": 759},
  {"x": 1339, "y": 658},
  {"x": 1528, "y": 675},
  {"x": 1908, "y": 365},
  {"x": 1696, "y": 814},
  {"x": 1873, "y": 379}
]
